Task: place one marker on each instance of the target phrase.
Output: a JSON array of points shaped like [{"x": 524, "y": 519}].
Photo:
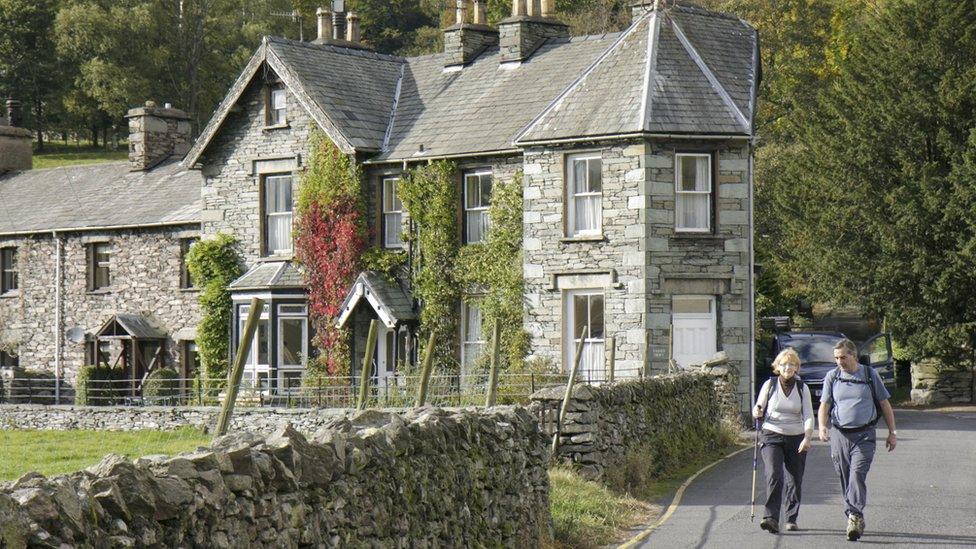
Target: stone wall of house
[
  {"x": 231, "y": 190},
  {"x": 640, "y": 261},
  {"x": 145, "y": 280},
  {"x": 427, "y": 478},
  {"x": 606, "y": 424},
  {"x": 934, "y": 384}
]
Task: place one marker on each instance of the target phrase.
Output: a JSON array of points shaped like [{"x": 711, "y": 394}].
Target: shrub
[
  {"x": 161, "y": 384},
  {"x": 94, "y": 386},
  {"x": 214, "y": 264}
]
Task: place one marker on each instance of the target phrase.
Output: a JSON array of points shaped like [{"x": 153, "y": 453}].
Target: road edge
[{"x": 675, "y": 502}]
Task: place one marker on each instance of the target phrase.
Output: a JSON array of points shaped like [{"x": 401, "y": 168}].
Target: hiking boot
[
  {"x": 770, "y": 525},
  {"x": 791, "y": 527},
  {"x": 855, "y": 527}
]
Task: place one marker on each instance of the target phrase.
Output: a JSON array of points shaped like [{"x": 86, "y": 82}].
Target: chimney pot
[
  {"x": 460, "y": 12},
  {"x": 338, "y": 24},
  {"x": 14, "y": 113},
  {"x": 479, "y": 13},
  {"x": 530, "y": 8},
  {"x": 15, "y": 143},
  {"x": 548, "y": 7},
  {"x": 518, "y": 8},
  {"x": 324, "y": 18},
  {"x": 352, "y": 27}
]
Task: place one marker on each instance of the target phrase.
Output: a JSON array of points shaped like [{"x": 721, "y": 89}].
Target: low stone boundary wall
[
  {"x": 605, "y": 424},
  {"x": 426, "y": 478},
  {"x": 161, "y": 418},
  {"x": 931, "y": 384}
]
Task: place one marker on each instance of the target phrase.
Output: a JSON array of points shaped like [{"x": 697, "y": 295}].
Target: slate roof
[
  {"x": 677, "y": 70},
  {"x": 270, "y": 275},
  {"x": 388, "y": 300},
  {"x": 98, "y": 196},
  {"x": 136, "y": 326}
]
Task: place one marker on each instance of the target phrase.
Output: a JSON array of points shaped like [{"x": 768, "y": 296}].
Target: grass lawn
[
  {"x": 57, "y": 452},
  {"x": 587, "y": 514},
  {"x": 56, "y": 155}
]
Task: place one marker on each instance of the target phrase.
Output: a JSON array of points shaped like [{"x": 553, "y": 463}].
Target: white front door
[
  {"x": 694, "y": 334},
  {"x": 385, "y": 355}
]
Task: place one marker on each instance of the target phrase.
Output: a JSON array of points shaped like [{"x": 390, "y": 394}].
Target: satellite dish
[{"x": 76, "y": 334}]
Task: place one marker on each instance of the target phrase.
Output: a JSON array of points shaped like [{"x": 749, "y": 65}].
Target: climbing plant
[
  {"x": 493, "y": 268},
  {"x": 331, "y": 237},
  {"x": 214, "y": 264},
  {"x": 429, "y": 194}
]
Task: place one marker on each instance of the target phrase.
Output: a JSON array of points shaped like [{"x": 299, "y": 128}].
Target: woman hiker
[{"x": 787, "y": 431}]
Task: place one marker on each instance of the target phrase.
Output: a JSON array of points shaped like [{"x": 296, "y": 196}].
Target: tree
[
  {"x": 29, "y": 68},
  {"x": 880, "y": 211}
]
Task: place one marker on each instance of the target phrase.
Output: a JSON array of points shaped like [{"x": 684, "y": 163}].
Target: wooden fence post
[
  {"x": 496, "y": 336},
  {"x": 613, "y": 358},
  {"x": 367, "y": 360},
  {"x": 237, "y": 370},
  {"x": 428, "y": 365},
  {"x": 569, "y": 391}
]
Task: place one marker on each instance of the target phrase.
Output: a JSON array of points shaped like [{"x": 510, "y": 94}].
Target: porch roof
[
  {"x": 270, "y": 274},
  {"x": 390, "y": 303},
  {"x": 131, "y": 327}
]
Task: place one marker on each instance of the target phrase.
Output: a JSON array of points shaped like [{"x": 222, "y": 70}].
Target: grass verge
[
  {"x": 587, "y": 514},
  {"x": 58, "y": 452},
  {"x": 57, "y": 155}
]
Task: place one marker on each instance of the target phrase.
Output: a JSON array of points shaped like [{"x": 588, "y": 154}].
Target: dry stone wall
[
  {"x": 428, "y": 478},
  {"x": 932, "y": 384},
  {"x": 604, "y": 425}
]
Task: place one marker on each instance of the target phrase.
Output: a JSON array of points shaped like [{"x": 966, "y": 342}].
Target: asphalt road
[{"x": 921, "y": 495}]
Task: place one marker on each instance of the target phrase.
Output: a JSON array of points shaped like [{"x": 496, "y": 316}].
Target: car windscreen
[{"x": 813, "y": 349}]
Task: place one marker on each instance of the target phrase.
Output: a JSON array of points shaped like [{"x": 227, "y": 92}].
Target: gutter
[
  {"x": 104, "y": 228},
  {"x": 692, "y": 136},
  {"x": 404, "y": 161}
]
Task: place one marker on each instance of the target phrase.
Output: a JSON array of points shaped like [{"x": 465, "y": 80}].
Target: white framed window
[
  {"x": 277, "y": 106},
  {"x": 472, "y": 338},
  {"x": 584, "y": 194},
  {"x": 8, "y": 270},
  {"x": 257, "y": 367},
  {"x": 477, "y": 199},
  {"x": 694, "y": 329},
  {"x": 583, "y": 309},
  {"x": 292, "y": 346},
  {"x": 693, "y": 192},
  {"x": 278, "y": 215},
  {"x": 392, "y": 213}
]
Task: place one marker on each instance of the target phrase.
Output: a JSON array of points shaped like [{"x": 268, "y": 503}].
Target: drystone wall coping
[
  {"x": 425, "y": 478},
  {"x": 934, "y": 384}
]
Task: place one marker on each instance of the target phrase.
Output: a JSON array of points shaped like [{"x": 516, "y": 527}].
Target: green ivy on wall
[
  {"x": 214, "y": 264},
  {"x": 430, "y": 195},
  {"x": 494, "y": 267}
]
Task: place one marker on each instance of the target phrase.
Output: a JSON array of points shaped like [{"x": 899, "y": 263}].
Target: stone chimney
[
  {"x": 156, "y": 134},
  {"x": 531, "y": 24},
  {"x": 463, "y": 41},
  {"x": 15, "y": 142}
]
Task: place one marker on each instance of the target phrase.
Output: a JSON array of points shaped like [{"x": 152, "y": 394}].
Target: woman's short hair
[
  {"x": 786, "y": 356},
  {"x": 847, "y": 346}
]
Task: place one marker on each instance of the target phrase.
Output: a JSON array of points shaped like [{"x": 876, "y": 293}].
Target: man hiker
[{"x": 853, "y": 398}]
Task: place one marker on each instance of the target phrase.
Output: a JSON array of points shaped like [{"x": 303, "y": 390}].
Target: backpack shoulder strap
[
  {"x": 772, "y": 387},
  {"x": 869, "y": 373}
]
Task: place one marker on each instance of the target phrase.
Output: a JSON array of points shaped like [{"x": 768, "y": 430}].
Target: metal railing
[{"x": 399, "y": 390}]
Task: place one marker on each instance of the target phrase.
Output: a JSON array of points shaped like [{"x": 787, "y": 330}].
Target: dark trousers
[
  {"x": 852, "y": 454},
  {"x": 780, "y": 455}
]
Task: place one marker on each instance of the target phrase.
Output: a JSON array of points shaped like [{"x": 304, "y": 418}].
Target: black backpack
[{"x": 869, "y": 374}]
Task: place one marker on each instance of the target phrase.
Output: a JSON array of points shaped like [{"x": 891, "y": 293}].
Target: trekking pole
[{"x": 755, "y": 459}]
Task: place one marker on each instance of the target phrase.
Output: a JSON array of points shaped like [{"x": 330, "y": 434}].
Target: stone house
[
  {"x": 92, "y": 257},
  {"x": 636, "y": 150}
]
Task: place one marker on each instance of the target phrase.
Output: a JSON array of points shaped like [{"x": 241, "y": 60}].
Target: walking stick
[{"x": 755, "y": 459}]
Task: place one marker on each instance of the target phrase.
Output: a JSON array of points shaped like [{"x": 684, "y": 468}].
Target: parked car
[{"x": 816, "y": 350}]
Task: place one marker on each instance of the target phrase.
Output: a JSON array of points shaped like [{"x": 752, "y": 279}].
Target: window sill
[
  {"x": 698, "y": 236},
  {"x": 584, "y": 238},
  {"x": 10, "y": 294},
  {"x": 190, "y": 290},
  {"x": 100, "y": 291},
  {"x": 273, "y": 127}
]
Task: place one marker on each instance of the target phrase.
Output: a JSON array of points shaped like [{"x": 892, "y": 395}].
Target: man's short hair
[{"x": 847, "y": 346}]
